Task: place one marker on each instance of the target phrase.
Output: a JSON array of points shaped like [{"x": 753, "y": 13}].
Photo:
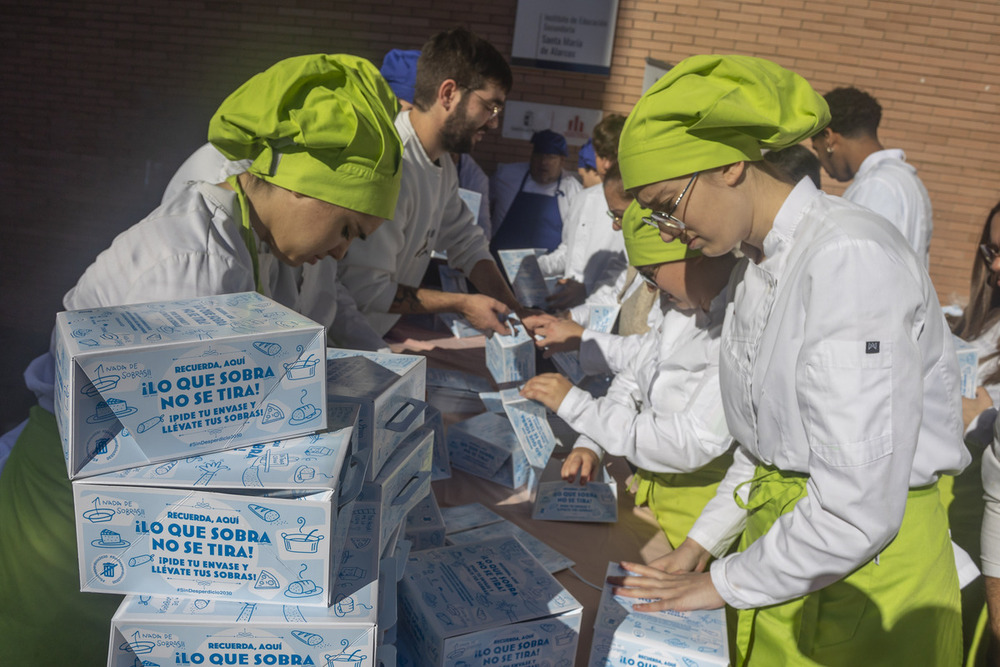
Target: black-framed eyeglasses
[
  {"x": 495, "y": 109},
  {"x": 988, "y": 253},
  {"x": 666, "y": 219},
  {"x": 648, "y": 274}
]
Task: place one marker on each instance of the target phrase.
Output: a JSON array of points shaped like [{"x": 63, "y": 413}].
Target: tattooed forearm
[{"x": 406, "y": 299}]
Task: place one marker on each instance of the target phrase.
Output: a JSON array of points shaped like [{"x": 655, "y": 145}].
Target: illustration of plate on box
[
  {"x": 110, "y": 540},
  {"x": 303, "y": 588},
  {"x": 303, "y": 414},
  {"x": 98, "y": 515},
  {"x": 100, "y": 384},
  {"x": 138, "y": 647},
  {"x": 113, "y": 408}
]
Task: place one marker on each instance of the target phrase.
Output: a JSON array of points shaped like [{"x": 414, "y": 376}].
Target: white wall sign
[
  {"x": 575, "y": 35},
  {"x": 522, "y": 119}
]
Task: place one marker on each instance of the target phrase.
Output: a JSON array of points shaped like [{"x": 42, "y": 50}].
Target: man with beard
[{"x": 462, "y": 83}]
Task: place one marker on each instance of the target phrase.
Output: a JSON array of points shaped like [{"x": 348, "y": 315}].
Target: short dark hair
[
  {"x": 606, "y": 135},
  {"x": 795, "y": 162},
  {"x": 461, "y": 55},
  {"x": 853, "y": 112}
]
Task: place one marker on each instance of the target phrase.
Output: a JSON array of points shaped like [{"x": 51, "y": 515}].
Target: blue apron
[{"x": 532, "y": 221}]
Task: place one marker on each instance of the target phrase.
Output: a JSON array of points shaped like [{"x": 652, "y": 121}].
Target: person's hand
[
  {"x": 973, "y": 407},
  {"x": 580, "y": 461},
  {"x": 485, "y": 313},
  {"x": 571, "y": 293},
  {"x": 532, "y": 317},
  {"x": 558, "y": 336},
  {"x": 688, "y": 557},
  {"x": 679, "y": 591},
  {"x": 549, "y": 389}
]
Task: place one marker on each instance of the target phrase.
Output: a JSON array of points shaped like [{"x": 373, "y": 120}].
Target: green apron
[
  {"x": 677, "y": 499},
  {"x": 45, "y": 619},
  {"x": 902, "y": 608}
]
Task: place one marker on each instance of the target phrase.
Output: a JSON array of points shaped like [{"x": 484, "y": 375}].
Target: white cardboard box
[
  {"x": 487, "y": 446},
  {"x": 525, "y": 276},
  {"x": 405, "y": 479},
  {"x": 549, "y": 558},
  {"x": 511, "y": 358},
  {"x": 659, "y": 639},
  {"x": 152, "y": 382},
  {"x": 486, "y": 603},
  {"x": 557, "y": 500},
  {"x": 389, "y": 388},
  {"x": 257, "y": 524},
  {"x": 157, "y": 630},
  {"x": 424, "y": 525}
]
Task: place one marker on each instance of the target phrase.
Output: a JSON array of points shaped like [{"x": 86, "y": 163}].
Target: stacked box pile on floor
[{"x": 152, "y": 382}]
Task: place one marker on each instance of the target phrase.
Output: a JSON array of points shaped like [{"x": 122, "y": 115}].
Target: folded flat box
[
  {"x": 483, "y": 603},
  {"x": 623, "y": 636},
  {"x": 558, "y": 500},
  {"x": 151, "y": 382},
  {"x": 389, "y": 388},
  {"x": 487, "y": 446},
  {"x": 264, "y": 523}
]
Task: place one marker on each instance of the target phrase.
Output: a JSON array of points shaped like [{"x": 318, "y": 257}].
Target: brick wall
[{"x": 103, "y": 100}]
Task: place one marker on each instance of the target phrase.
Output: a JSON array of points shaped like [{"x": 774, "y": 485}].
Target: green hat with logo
[
  {"x": 709, "y": 111},
  {"x": 643, "y": 243},
  {"x": 319, "y": 125}
]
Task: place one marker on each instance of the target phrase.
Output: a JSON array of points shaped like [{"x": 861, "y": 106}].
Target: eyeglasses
[
  {"x": 661, "y": 219},
  {"x": 989, "y": 253},
  {"x": 495, "y": 109},
  {"x": 648, "y": 274}
]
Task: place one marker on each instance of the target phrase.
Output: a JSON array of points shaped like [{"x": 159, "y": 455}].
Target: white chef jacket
[
  {"x": 472, "y": 177},
  {"x": 592, "y": 252},
  {"x": 836, "y": 362},
  {"x": 316, "y": 294},
  {"x": 429, "y": 216},
  {"x": 506, "y": 183},
  {"x": 886, "y": 184},
  {"x": 663, "y": 411},
  {"x": 991, "y": 516}
]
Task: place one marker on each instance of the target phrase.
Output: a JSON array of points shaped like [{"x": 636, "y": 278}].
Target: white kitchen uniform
[
  {"x": 836, "y": 363},
  {"x": 663, "y": 411},
  {"x": 317, "y": 294},
  {"x": 592, "y": 252},
  {"x": 990, "y": 538},
  {"x": 429, "y": 216},
  {"x": 506, "y": 183},
  {"x": 886, "y": 184}
]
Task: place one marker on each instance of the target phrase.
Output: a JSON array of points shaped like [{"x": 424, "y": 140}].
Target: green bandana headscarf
[
  {"x": 643, "y": 243},
  {"x": 319, "y": 125},
  {"x": 710, "y": 111}
]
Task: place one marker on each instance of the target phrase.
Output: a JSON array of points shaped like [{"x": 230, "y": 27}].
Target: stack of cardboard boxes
[{"x": 245, "y": 503}]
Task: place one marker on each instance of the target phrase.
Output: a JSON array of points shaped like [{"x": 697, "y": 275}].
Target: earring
[{"x": 829, "y": 150}]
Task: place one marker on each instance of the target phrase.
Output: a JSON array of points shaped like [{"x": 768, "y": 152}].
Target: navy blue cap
[
  {"x": 548, "y": 142},
  {"x": 399, "y": 68},
  {"x": 587, "y": 158}
]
